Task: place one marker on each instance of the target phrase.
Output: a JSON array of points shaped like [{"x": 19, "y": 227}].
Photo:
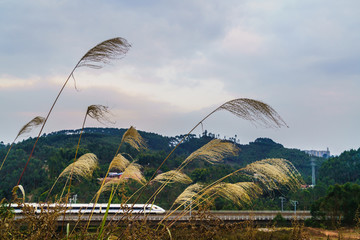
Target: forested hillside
[{"x": 55, "y": 151}]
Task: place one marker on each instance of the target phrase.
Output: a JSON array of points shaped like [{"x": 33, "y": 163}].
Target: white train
[{"x": 75, "y": 208}]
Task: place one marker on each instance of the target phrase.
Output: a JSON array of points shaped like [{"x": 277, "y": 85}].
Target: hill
[{"x": 56, "y": 150}]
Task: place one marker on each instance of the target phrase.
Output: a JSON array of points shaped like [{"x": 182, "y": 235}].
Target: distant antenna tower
[{"x": 313, "y": 164}]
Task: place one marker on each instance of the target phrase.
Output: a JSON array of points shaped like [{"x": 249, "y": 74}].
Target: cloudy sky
[{"x": 186, "y": 59}]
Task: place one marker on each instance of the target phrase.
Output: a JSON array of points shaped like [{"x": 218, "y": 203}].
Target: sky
[{"x": 187, "y": 58}]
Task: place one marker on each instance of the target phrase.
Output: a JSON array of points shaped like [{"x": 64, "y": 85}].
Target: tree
[{"x": 339, "y": 205}]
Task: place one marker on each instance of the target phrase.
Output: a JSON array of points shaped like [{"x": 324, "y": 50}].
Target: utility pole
[
  {"x": 293, "y": 202},
  {"x": 282, "y": 203},
  {"x": 190, "y": 205}
]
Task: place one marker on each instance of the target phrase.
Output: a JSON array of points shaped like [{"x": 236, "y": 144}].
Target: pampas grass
[
  {"x": 238, "y": 193},
  {"x": 111, "y": 184},
  {"x": 213, "y": 152},
  {"x": 99, "y": 113},
  {"x": 102, "y": 53},
  {"x": 254, "y": 111},
  {"x": 36, "y": 121},
  {"x": 133, "y": 171},
  {"x": 82, "y": 168},
  {"x": 119, "y": 162},
  {"x": 172, "y": 177},
  {"x": 188, "y": 194},
  {"x": 273, "y": 173},
  {"x": 248, "y": 109},
  {"x": 268, "y": 174},
  {"x": 22, "y": 190},
  {"x": 133, "y": 138}
]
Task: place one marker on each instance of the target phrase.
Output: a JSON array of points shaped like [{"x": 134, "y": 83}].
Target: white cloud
[
  {"x": 299, "y": 56},
  {"x": 239, "y": 41}
]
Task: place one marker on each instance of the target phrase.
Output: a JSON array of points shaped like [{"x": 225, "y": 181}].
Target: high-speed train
[{"x": 75, "y": 208}]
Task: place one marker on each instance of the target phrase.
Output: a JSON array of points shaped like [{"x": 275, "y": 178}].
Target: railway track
[{"x": 225, "y": 216}]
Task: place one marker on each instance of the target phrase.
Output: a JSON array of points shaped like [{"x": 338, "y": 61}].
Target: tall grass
[
  {"x": 36, "y": 121},
  {"x": 94, "y": 58},
  {"x": 268, "y": 174}
]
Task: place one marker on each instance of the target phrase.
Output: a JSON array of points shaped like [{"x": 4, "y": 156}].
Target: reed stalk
[
  {"x": 248, "y": 109},
  {"x": 26, "y": 128},
  {"x": 94, "y": 58}
]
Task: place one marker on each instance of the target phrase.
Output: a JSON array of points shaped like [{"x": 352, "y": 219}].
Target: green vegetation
[
  {"x": 340, "y": 206},
  {"x": 153, "y": 171},
  {"x": 58, "y": 149}
]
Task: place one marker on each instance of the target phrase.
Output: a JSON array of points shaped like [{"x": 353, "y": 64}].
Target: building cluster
[{"x": 319, "y": 153}]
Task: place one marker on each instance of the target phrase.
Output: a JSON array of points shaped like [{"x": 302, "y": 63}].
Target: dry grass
[
  {"x": 98, "y": 112},
  {"x": 104, "y": 52},
  {"x": 254, "y": 111},
  {"x": 273, "y": 173},
  {"x": 133, "y": 171},
  {"x": 132, "y": 137},
  {"x": 239, "y": 193},
  {"x": 119, "y": 163},
  {"x": 188, "y": 194},
  {"x": 270, "y": 173},
  {"x": 213, "y": 152},
  {"x": 36, "y": 121},
  {"x": 83, "y": 167},
  {"x": 172, "y": 177}
]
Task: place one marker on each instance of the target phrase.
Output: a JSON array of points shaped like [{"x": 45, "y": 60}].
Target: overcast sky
[{"x": 186, "y": 59}]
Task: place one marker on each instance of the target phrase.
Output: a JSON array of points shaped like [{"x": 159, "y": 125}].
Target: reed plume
[
  {"x": 238, "y": 193},
  {"x": 248, "y": 109},
  {"x": 212, "y": 152},
  {"x": 111, "y": 184},
  {"x": 36, "y": 121},
  {"x": 189, "y": 194},
  {"x": 83, "y": 167},
  {"x": 255, "y": 111},
  {"x": 99, "y": 113},
  {"x": 104, "y": 52},
  {"x": 172, "y": 177},
  {"x": 133, "y": 138},
  {"x": 133, "y": 172},
  {"x": 273, "y": 173},
  {"x": 269, "y": 173},
  {"x": 14, "y": 190},
  {"x": 101, "y": 54},
  {"x": 119, "y": 163}
]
